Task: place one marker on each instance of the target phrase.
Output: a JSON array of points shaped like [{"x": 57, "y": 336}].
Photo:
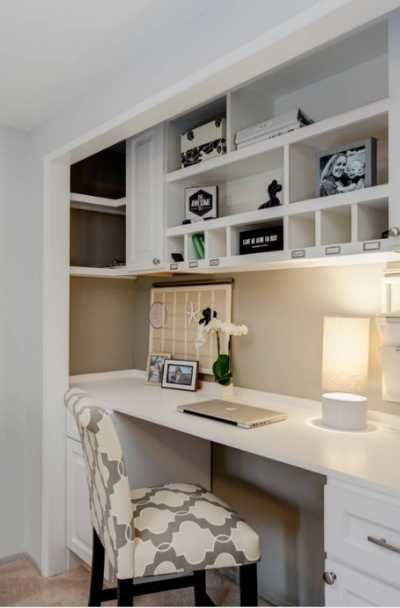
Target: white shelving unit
[
  {"x": 345, "y": 89},
  {"x": 119, "y": 272}
]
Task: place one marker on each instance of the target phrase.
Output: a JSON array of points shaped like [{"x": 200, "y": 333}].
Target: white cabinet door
[
  {"x": 352, "y": 588},
  {"x": 145, "y": 200},
  {"x": 79, "y": 529}
]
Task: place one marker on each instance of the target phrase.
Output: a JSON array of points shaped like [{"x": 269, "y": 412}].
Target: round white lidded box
[{"x": 345, "y": 411}]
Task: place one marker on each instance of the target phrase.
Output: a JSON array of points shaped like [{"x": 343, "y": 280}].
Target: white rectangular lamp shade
[{"x": 345, "y": 372}]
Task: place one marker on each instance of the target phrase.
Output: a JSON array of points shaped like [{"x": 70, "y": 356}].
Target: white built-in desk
[{"x": 362, "y": 495}]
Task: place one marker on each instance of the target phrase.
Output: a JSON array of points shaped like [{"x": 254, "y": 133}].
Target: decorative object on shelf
[
  {"x": 391, "y": 232},
  {"x": 201, "y": 203},
  {"x": 177, "y": 257},
  {"x": 209, "y": 324},
  {"x": 257, "y": 240},
  {"x": 273, "y": 200},
  {"x": 198, "y": 245},
  {"x": 180, "y": 374},
  {"x": 345, "y": 373},
  {"x": 157, "y": 315},
  {"x": 348, "y": 168},
  {"x": 186, "y": 222},
  {"x": 155, "y": 367},
  {"x": 272, "y": 128},
  {"x": 204, "y": 142}
]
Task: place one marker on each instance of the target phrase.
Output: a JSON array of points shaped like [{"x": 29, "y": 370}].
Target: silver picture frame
[{"x": 180, "y": 374}]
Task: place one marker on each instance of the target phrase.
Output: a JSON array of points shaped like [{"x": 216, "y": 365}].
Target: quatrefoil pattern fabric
[
  {"x": 181, "y": 527},
  {"x": 153, "y": 531},
  {"x": 109, "y": 492}
]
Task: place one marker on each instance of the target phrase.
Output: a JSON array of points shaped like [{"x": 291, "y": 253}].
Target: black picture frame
[
  {"x": 347, "y": 168},
  {"x": 201, "y": 203}
]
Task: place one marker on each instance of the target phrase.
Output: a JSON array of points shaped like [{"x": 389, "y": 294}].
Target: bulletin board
[{"x": 174, "y": 315}]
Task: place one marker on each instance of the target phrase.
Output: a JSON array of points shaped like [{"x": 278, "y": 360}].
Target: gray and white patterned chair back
[{"x": 109, "y": 492}]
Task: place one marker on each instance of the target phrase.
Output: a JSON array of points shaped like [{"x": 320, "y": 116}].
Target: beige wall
[
  {"x": 102, "y": 332},
  {"x": 284, "y": 311}
]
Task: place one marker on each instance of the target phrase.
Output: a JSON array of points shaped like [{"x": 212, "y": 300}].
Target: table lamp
[{"x": 345, "y": 373}]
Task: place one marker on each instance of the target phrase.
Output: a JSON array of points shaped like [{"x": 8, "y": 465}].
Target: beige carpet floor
[{"x": 22, "y": 585}]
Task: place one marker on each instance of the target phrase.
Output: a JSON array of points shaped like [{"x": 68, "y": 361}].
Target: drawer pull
[
  {"x": 329, "y": 578},
  {"x": 381, "y": 542}
]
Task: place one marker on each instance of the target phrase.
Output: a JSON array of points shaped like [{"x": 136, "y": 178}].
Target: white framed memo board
[{"x": 174, "y": 314}]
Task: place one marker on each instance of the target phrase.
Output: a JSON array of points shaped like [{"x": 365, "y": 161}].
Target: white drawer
[
  {"x": 358, "y": 523},
  {"x": 351, "y": 588}
]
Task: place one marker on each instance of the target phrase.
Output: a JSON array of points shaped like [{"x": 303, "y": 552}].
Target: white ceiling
[{"x": 56, "y": 51}]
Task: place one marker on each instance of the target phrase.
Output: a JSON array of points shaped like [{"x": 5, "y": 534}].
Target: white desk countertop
[{"x": 369, "y": 459}]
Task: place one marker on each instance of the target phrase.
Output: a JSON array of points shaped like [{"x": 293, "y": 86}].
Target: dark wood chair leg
[
  {"x": 97, "y": 575},
  {"x": 200, "y": 593},
  {"x": 248, "y": 585},
  {"x": 125, "y": 592}
]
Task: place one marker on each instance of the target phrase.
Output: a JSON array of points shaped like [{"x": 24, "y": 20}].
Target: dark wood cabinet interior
[
  {"x": 103, "y": 174},
  {"x": 97, "y": 236},
  {"x": 97, "y": 239}
]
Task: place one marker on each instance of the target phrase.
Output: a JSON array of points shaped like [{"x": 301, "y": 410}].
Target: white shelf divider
[
  {"x": 119, "y": 272},
  {"x": 98, "y": 201}
]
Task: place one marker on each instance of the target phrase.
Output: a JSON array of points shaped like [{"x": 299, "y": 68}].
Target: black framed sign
[{"x": 201, "y": 203}]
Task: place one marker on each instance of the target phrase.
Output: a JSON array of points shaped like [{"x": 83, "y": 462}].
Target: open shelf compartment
[
  {"x": 302, "y": 230},
  {"x": 336, "y": 225},
  {"x": 203, "y": 114}
]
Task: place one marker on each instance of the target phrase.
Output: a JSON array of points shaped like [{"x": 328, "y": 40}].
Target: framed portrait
[
  {"x": 180, "y": 374},
  {"x": 201, "y": 203},
  {"x": 155, "y": 367},
  {"x": 346, "y": 169}
]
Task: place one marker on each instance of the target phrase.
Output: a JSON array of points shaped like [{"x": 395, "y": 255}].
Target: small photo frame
[
  {"x": 201, "y": 203},
  {"x": 180, "y": 374},
  {"x": 155, "y": 367},
  {"x": 346, "y": 169}
]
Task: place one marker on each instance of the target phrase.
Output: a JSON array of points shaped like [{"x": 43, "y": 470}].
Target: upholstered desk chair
[{"x": 168, "y": 530}]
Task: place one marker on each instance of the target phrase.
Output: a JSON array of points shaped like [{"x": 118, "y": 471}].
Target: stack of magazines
[{"x": 272, "y": 128}]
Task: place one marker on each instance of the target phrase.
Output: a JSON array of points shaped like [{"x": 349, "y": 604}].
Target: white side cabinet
[
  {"x": 145, "y": 156},
  {"x": 362, "y": 544},
  {"x": 79, "y": 529}
]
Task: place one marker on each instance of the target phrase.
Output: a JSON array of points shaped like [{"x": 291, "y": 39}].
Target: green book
[{"x": 198, "y": 245}]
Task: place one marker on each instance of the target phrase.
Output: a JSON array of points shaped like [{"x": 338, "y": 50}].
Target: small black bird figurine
[{"x": 273, "y": 190}]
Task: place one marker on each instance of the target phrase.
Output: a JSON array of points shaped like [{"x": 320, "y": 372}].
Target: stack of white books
[{"x": 272, "y": 128}]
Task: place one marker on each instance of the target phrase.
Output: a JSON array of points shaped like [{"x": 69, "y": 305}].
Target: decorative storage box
[
  {"x": 266, "y": 238},
  {"x": 206, "y": 141}
]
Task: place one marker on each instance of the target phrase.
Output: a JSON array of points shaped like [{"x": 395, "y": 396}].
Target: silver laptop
[{"x": 244, "y": 416}]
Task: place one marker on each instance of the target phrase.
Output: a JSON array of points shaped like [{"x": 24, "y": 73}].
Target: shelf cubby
[
  {"x": 372, "y": 220},
  {"x": 216, "y": 243},
  {"x": 336, "y": 225},
  {"x": 302, "y": 231},
  {"x": 215, "y": 108},
  {"x": 175, "y": 244},
  {"x": 304, "y": 172},
  {"x": 335, "y": 78},
  {"x": 190, "y": 251},
  {"x": 238, "y": 192},
  {"x": 233, "y": 240}
]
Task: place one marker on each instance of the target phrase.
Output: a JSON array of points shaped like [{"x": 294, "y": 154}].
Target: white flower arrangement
[
  {"x": 220, "y": 328},
  {"x": 229, "y": 329}
]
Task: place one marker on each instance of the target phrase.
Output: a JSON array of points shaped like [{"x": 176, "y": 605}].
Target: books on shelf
[{"x": 272, "y": 128}]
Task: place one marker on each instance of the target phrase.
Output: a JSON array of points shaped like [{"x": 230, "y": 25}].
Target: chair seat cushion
[{"x": 181, "y": 527}]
